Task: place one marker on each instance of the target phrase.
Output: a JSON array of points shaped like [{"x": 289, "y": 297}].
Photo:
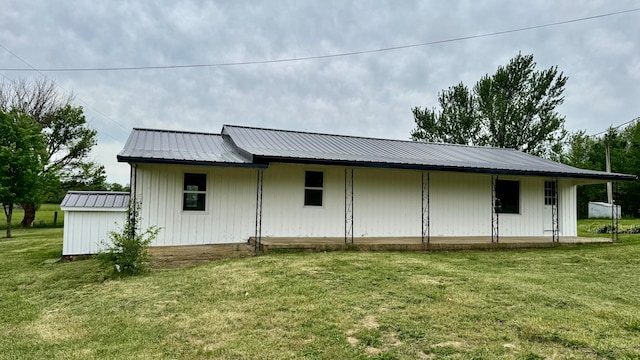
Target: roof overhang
[
  {"x": 142, "y": 160},
  {"x": 588, "y": 178}
]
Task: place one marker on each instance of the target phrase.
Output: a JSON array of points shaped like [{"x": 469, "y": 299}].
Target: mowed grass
[{"x": 575, "y": 302}]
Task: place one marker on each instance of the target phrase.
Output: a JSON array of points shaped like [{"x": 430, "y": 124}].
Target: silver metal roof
[
  {"x": 164, "y": 146},
  {"x": 257, "y": 147},
  {"x": 296, "y": 146},
  {"x": 96, "y": 200}
]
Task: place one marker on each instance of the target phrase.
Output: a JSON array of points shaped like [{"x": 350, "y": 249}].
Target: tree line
[
  {"x": 588, "y": 152},
  {"x": 44, "y": 148},
  {"x": 516, "y": 107}
]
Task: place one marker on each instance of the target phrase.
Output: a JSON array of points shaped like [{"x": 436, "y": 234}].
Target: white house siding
[
  {"x": 460, "y": 204},
  {"x": 387, "y": 202},
  {"x": 568, "y": 208},
  {"x": 283, "y": 210},
  {"x": 230, "y": 204},
  {"x": 85, "y": 230}
]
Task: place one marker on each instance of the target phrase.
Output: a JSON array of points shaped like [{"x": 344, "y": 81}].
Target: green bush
[
  {"x": 126, "y": 252},
  {"x": 622, "y": 229}
]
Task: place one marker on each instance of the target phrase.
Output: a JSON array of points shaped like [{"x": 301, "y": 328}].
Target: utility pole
[{"x": 607, "y": 154}]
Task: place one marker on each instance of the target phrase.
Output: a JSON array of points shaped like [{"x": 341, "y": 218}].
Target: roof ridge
[
  {"x": 177, "y": 131},
  {"x": 367, "y": 137}
]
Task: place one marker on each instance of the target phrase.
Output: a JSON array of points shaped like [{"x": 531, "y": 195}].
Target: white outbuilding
[
  {"x": 89, "y": 217},
  {"x": 603, "y": 210}
]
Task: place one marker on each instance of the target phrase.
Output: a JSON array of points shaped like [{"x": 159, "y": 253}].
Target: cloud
[{"x": 369, "y": 94}]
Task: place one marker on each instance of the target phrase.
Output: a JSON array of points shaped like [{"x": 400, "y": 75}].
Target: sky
[{"x": 368, "y": 94}]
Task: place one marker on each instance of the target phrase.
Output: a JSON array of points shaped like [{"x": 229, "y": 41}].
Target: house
[
  {"x": 260, "y": 184},
  {"x": 89, "y": 216}
]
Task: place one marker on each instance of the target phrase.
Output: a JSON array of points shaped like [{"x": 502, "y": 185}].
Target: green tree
[
  {"x": 588, "y": 152},
  {"x": 22, "y": 159},
  {"x": 68, "y": 139},
  {"x": 513, "y": 108},
  {"x": 456, "y": 123}
]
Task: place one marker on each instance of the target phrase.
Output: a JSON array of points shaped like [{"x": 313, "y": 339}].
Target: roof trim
[
  {"x": 466, "y": 169},
  {"x": 141, "y": 160}
]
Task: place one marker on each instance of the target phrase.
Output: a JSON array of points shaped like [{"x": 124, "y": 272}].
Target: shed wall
[{"x": 85, "y": 230}]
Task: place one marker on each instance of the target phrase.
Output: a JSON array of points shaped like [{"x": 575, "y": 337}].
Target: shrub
[
  {"x": 622, "y": 229},
  {"x": 126, "y": 252}
]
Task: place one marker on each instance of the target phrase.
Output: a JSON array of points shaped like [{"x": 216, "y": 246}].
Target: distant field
[
  {"x": 572, "y": 302},
  {"x": 44, "y": 217}
]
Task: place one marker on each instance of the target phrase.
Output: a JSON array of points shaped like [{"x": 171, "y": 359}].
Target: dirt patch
[
  {"x": 453, "y": 344},
  {"x": 353, "y": 341},
  {"x": 370, "y": 350},
  {"x": 370, "y": 322}
]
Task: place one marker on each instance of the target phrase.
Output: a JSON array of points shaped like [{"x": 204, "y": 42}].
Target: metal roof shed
[{"x": 89, "y": 217}]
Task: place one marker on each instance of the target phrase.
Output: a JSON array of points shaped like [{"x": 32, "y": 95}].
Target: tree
[
  {"x": 513, "y": 108},
  {"x": 68, "y": 139},
  {"x": 457, "y": 123},
  {"x": 588, "y": 152},
  {"x": 22, "y": 158},
  {"x": 86, "y": 176}
]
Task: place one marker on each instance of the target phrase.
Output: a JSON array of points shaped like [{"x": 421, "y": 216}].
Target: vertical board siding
[
  {"x": 460, "y": 204},
  {"x": 230, "y": 205},
  {"x": 568, "y": 208},
  {"x": 530, "y": 221},
  {"x": 387, "y": 203},
  {"x": 283, "y": 210},
  {"x": 85, "y": 230}
]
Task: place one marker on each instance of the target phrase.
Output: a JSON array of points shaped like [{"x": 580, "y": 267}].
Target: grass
[
  {"x": 574, "y": 302},
  {"x": 44, "y": 217}
]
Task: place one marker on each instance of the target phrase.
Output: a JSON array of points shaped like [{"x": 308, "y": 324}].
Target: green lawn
[
  {"x": 44, "y": 217},
  {"x": 575, "y": 302}
]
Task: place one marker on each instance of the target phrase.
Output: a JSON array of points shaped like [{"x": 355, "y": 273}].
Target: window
[
  {"x": 313, "y": 184},
  {"x": 507, "y": 197},
  {"x": 195, "y": 192},
  {"x": 549, "y": 192}
]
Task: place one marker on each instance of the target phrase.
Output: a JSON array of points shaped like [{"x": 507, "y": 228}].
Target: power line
[
  {"x": 319, "y": 57},
  {"x": 63, "y": 89},
  {"x": 617, "y": 127}
]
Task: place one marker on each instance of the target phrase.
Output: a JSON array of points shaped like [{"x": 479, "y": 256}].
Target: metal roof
[
  {"x": 180, "y": 147},
  {"x": 95, "y": 200},
  {"x": 257, "y": 147},
  {"x": 292, "y": 146}
]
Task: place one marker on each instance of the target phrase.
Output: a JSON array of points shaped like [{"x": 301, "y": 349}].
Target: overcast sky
[{"x": 369, "y": 94}]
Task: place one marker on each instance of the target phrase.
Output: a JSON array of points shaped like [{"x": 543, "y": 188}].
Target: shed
[
  {"x": 603, "y": 210},
  {"x": 89, "y": 217}
]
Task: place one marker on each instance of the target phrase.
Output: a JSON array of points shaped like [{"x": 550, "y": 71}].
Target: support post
[
  {"x": 614, "y": 219},
  {"x": 426, "y": 221},
  {"x": 258, "y": 233},
  {"x": 348, "y": 205},
  {"x": 555, "y": 214},
  {"x": 495, "y": 216}
]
